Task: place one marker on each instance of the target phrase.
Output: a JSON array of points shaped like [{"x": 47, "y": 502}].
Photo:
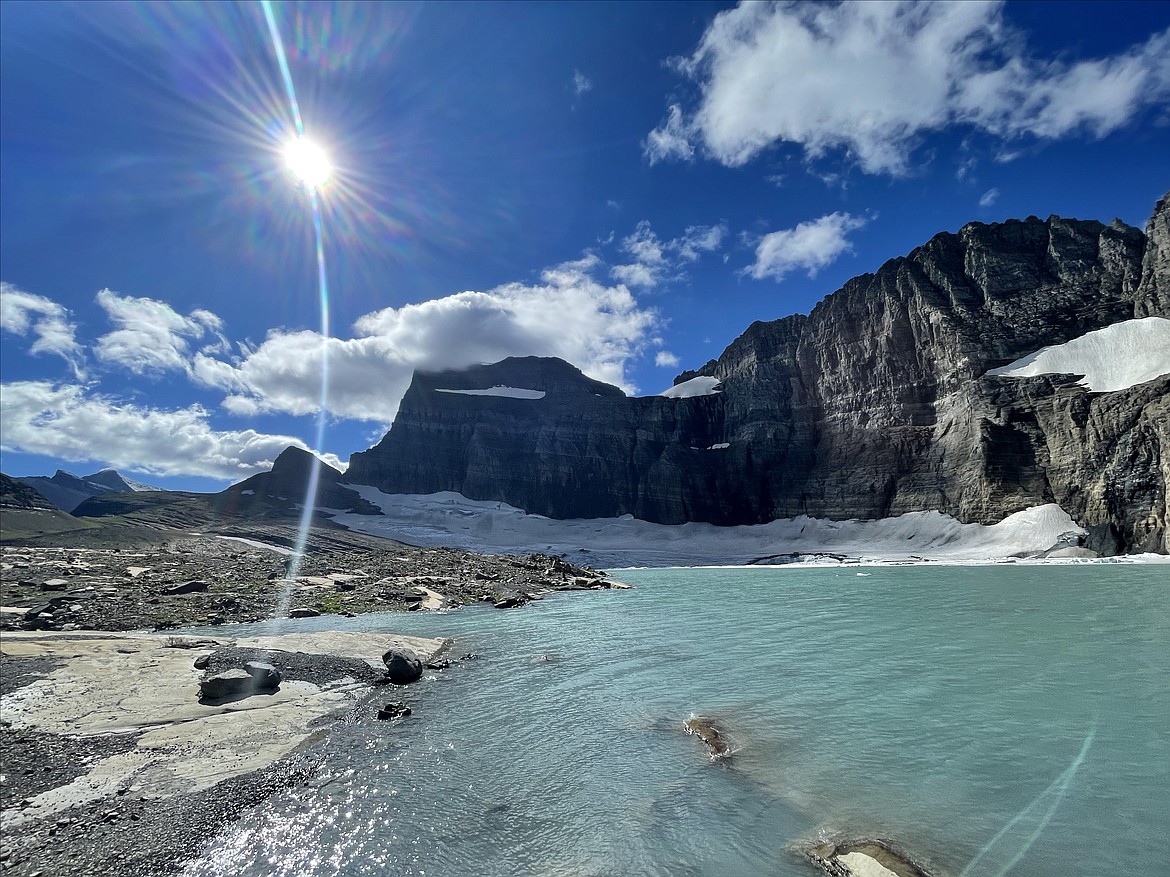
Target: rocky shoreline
[
  {"x": 107, "y": 766},
  {"x": 115, "y": 764},
  {"x": 195, "y": 580}
]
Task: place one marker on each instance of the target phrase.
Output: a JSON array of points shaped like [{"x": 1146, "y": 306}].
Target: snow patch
[
  {"x": 700, "y": 386},
  {"x": 501, "y": 391},
  {"x": 721, "y": 446},
  {"x": 451, "y": 520},
  {"x": 247, "y": 493},
  {"x": 1114, "y": 358}
]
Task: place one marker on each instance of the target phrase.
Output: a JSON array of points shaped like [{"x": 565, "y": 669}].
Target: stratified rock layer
[{"x": 875, "y": 404}]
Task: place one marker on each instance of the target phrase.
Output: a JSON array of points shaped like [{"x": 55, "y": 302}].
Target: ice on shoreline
[{"x": 451, "y": 520}]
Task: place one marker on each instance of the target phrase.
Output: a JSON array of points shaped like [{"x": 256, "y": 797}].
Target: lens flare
[{"x": 308, "y": 162}]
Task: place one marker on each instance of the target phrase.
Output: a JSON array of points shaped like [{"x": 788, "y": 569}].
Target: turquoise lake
[{"x": 1006, "y": 719}]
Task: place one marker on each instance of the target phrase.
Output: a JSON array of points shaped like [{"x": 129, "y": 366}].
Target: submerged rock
[
  {"x": 394, "y": 710},
  {"x": 867, "y": 857},
  {"x": 708, "y": 731}
]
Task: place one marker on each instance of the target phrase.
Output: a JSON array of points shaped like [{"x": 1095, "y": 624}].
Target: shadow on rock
[{"x": 255, "y": 677}]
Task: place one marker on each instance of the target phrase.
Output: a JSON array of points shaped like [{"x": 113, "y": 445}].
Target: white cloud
[
  {"x": 656, "y": 261},
  {"x": 810, "y": 246},
  {"x": 581, "y": 83},
  {"x": 636, "y": 275},
  {"x": 699, "y": 239},
  {"x": 989, "y": 197},
  {"x": 68, "y": 422},
  {"x": 568, "y": 314},
  {"x": 872, "y": 78},
  {"x": 22, "y": 312},
  {"x": 152, "y": 336},
  {"x": 671, "y": 139},
  {"x": 666, "y": 359}
]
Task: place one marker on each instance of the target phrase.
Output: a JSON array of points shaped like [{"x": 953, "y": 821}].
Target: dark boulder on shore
[
  {"x": 402, "y": 666},
  {"x": 255, "y": 677},
  {"x": 265, "y": 675}
]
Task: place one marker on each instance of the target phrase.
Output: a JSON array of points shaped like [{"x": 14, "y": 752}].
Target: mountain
[
  {"x": 273, "y": 496},
  {"x": 902, "y": 391},
  {"x": 67, "y": 491},
  {"x": 24, "y": 512},
  {"x": 281, "y": 490}
]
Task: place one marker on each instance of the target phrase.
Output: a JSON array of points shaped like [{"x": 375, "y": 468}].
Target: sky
[{"x": 625, "y": 185}]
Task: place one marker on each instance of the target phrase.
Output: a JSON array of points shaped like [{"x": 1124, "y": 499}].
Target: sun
[{"x": 308, "y": 163}]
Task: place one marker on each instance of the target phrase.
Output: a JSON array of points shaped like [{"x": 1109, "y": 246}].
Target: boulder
[
  {"x": 191, "y": 587},
  {"x": 303, "y": 612},
  {"x": 511, "y": 601},
  {"x": 230, "y": 683},
  {"x": 394, "y": 710},
  {"x": 266, "y": 676},
  {"x": 402, "y": 666},
  {"x": 865, "y": 857}
]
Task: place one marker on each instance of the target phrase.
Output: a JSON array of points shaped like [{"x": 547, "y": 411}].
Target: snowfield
[
  {"x": 1114, "y": 358},
  {"x": 451, "y": 520},
  {"x": 501, "y": 391},
  {"x": 700, "y": 386}
]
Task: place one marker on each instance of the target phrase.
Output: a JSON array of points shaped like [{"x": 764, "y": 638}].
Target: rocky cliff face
[{"x": 875, "y": 404}]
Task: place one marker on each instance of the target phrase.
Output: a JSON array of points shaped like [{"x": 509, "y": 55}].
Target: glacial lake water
[{"x": 1006, "y": 719}]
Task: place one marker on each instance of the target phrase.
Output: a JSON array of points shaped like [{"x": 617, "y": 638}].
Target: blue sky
[{"x": 627, "y": 186}]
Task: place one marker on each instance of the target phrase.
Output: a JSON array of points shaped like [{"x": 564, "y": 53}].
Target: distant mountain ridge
[
  {"x": 879, "y": 402},
  {"x": 67, "y": 491}
]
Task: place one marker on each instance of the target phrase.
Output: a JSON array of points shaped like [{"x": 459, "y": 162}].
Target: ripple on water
[{"x": 932, "y": 705}]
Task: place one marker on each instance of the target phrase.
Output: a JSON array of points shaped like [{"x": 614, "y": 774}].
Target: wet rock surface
[
  {"x": 713, "y": 735},
  {"x": 865, "y": 857}
]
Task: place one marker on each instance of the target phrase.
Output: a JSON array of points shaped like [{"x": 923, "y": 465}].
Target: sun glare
[{"x": 308, "y": 162}]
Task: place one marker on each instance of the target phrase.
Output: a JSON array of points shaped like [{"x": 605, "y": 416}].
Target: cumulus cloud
[
  {"x": 69, "y": 422},
  {"x": 656, "y": 261},
  {"x": 581, "y": 83},
  {"x": 989, "y": 197},
  {"x": 666, "y": 359},
  {"x": 152, "y": 337},
  {"x": 810, "y": 246},
  {"x": 873, "y": 78},
  {"x": 22, "y": 312},
  {"x": 567, "y": 314}
]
